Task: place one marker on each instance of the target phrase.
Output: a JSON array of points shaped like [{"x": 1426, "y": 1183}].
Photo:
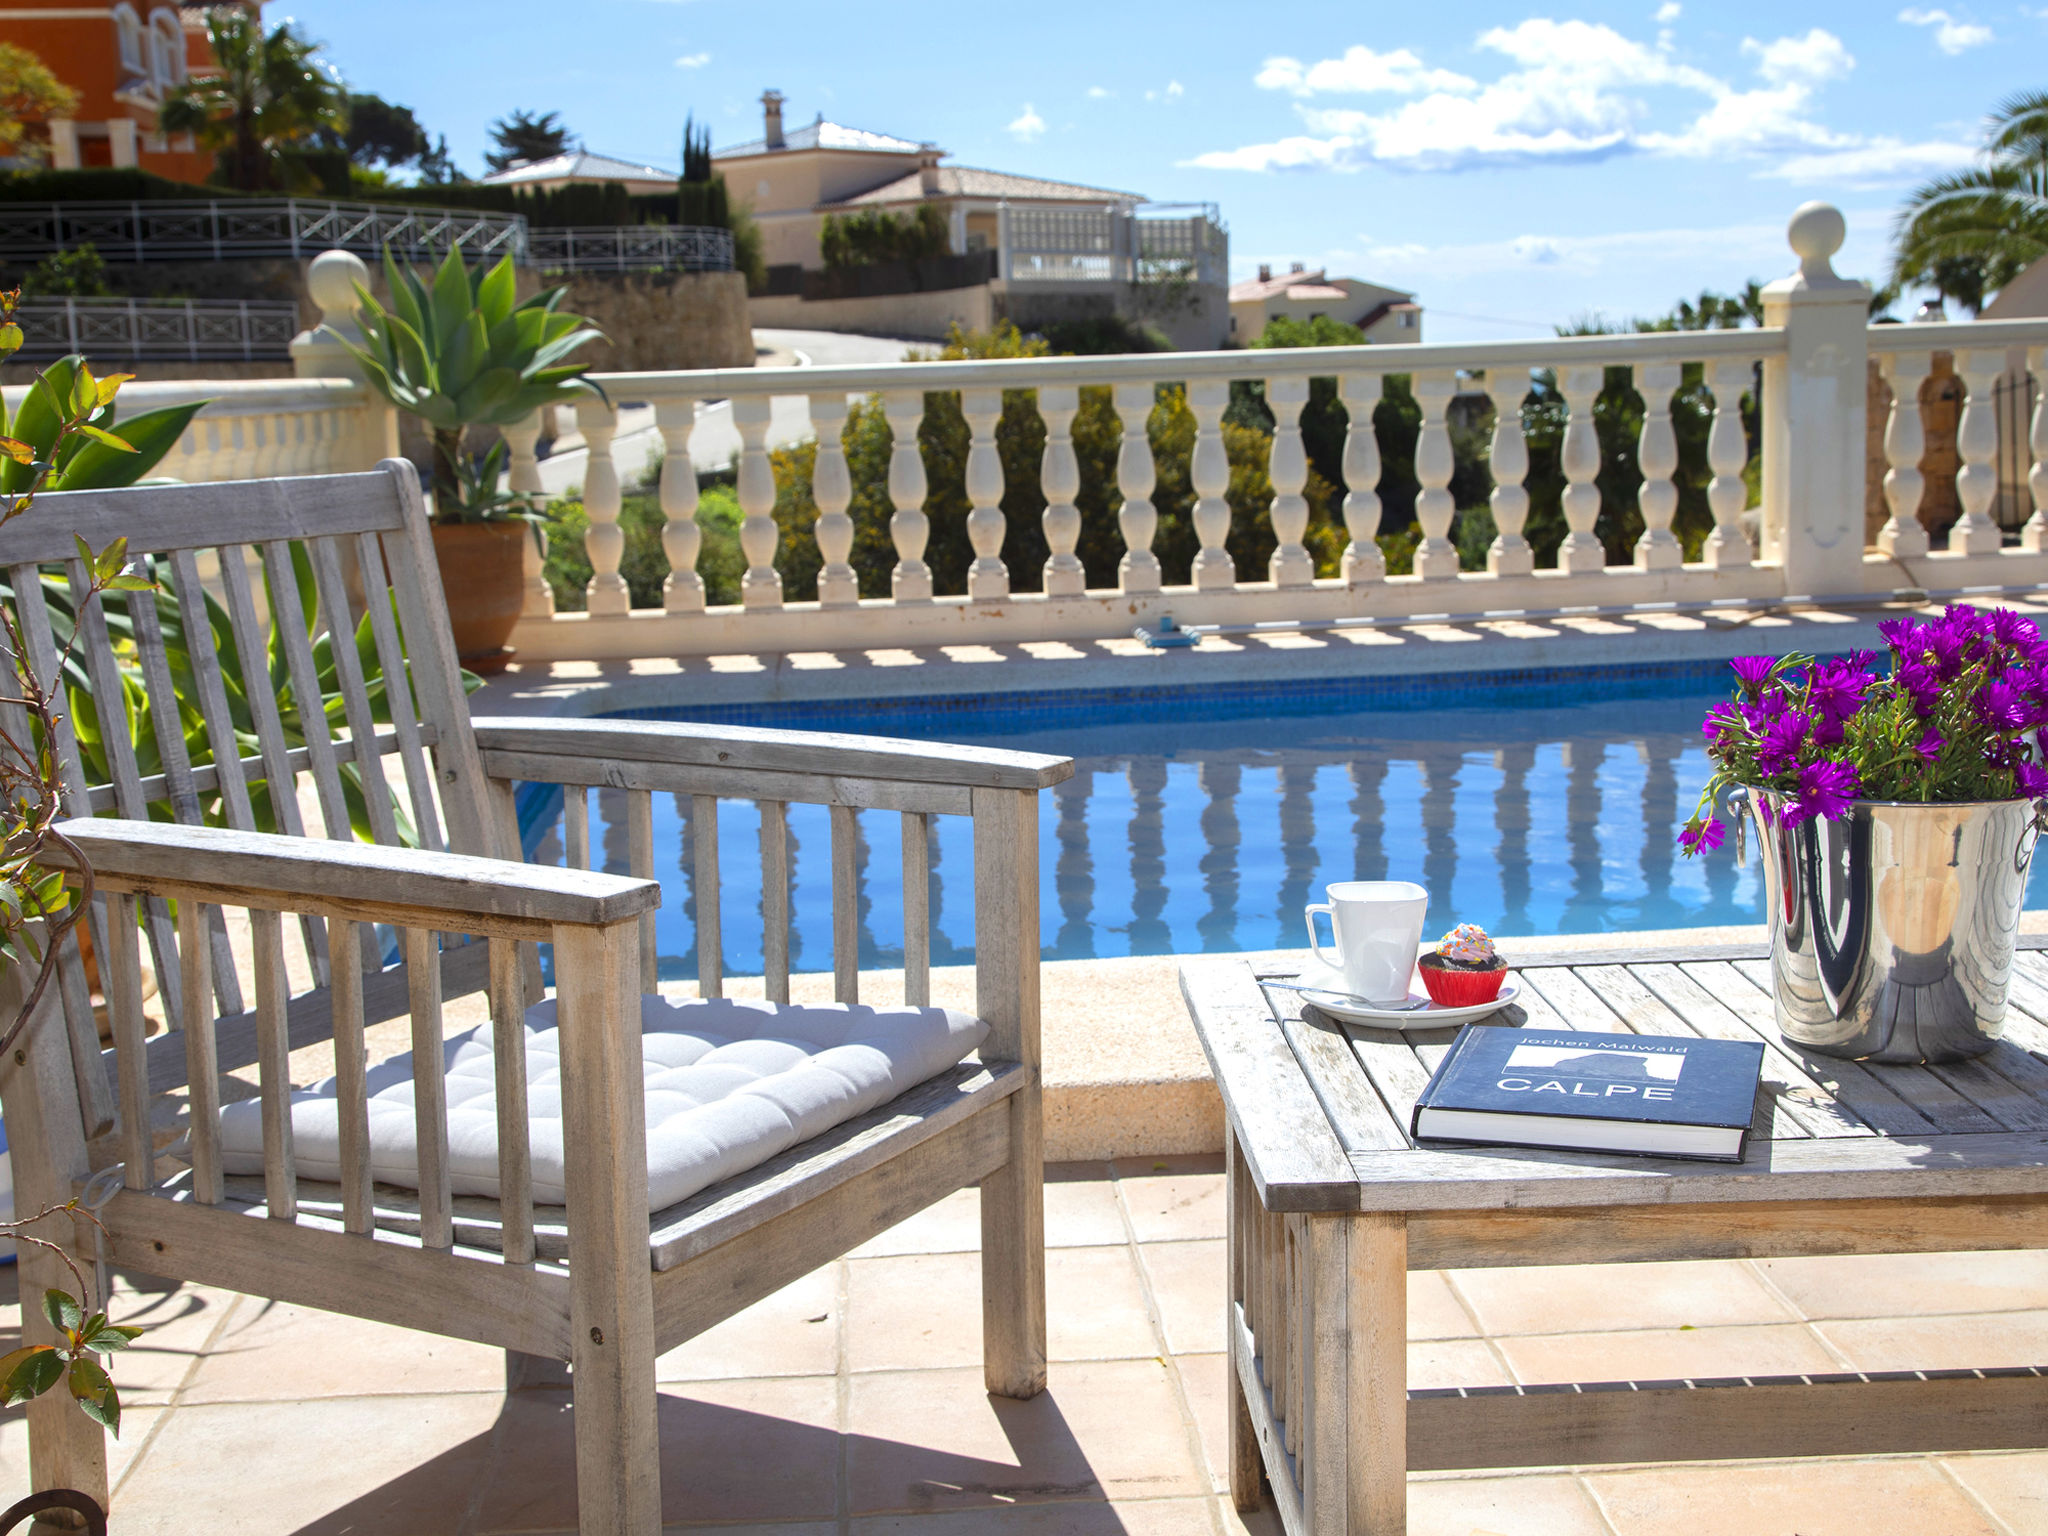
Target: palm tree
[
  {"x": 270, "y": 97},
  {"x": 523, "y": 138},
  {"x": 1969, "y": 233}
]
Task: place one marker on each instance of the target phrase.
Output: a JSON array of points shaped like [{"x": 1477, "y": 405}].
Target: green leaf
[
  {"x": 10, "y": 339},
  {"x": 17, "y": 450},
  {"x": 497, "y": 293},
  {"x": 110, "y": 386},
  {"x": 39, "y": 420},
  {"x": 95, "y": 1393},
  {"x": 36, "y": 1369},
  {"x": 153, "y": 434},
  {"x": 131, "y": 584},
  {"x": 114, "y": 1336},
  {"x": 102, "y": 435},
  {"x": 63, "y": 1311},
  {"x": 85, "y": 391}
]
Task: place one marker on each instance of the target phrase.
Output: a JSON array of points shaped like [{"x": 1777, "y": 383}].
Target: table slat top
[{"x": 1321, "y": 1108}]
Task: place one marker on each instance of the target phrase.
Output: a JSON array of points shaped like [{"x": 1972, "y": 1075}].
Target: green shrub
[
  {"x": 875, "y": 234},
  {"x": 719, "y": 558}
]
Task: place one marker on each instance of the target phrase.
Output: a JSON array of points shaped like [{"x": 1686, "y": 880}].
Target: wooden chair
[{"x": 601, "y": 1283}]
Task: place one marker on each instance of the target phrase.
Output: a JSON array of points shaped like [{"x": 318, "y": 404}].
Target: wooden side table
[{"x": 1331, "y": 1205}]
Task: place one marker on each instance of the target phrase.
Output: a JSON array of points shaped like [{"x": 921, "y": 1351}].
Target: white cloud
[
  {"x": 1878, "y": 162},
  {"x": 1099, "y": 93},
  {"x": 1668, "y": 12},
  {"x": 1950, "y": 35},
  {"x": 1575, "y": 90},
  {"x": 1173, "y": 90},
  {"x": 693, "y": 61},
  {"x": 1026, "y": 125}
]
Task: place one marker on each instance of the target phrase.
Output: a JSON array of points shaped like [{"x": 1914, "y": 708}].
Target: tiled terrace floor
[{"x": 851, "y": 1402}]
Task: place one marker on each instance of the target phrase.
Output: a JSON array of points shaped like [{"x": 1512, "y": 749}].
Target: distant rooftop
[
  {"x": 824, "y": 135},
  {"x": 1298, "y": 284},
  {"x": 578, "y": 165},
  {"x": 970, "y": 181}
]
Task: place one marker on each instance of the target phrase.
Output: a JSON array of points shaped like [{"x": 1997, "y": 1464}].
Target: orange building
[{"x": 122, "y": 58}]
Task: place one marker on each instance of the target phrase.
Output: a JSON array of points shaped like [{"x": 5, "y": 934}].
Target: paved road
[{"x": 716, "y": 443}]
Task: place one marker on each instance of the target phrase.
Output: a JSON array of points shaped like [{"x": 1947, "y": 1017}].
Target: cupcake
[{"x": 1463, "y": 969}]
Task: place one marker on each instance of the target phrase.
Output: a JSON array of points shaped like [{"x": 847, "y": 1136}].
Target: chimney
[
  {"x": 928, "y": 169},
  {"x": 1295, "y": 267},
  {"x": 771, "y": 117},
  {"x": 1265, "y": 273}
]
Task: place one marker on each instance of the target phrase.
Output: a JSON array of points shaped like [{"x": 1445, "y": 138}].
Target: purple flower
[
  {"x": 1779, "y": 749},
  {"x": 1825, "y": 790},
  {"x": 2031, "y": 779},
  {"x": 1930, "y": 744},
  {"x": 1775, "y": 702},
  {"x": 1902, "y": 635},
  {"x": 2014, "y": 629},
  {"x": 1827, "y": 731},
  {"x": 1699, "y": 836},
  {"x": 2000, "y": 706},
  {"x": 1722, "y": 717},
  {"x": 1837, "y": 691},
  {"x": 1946, "y": 649},
  {"x": 1752, "y": 672},
  {"x": 1919, "y": 683}
]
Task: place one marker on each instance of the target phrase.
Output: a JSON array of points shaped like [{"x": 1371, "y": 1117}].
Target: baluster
[
  {"x": 351, "y": 1087},
  {"x": 1977, "y": 445},
  {"x": 1363, "y": 560},
  {"x": 1137, "y": 520},
  {"x": 917, "y": 911},
  {"x": 523, "y": 479},
  {"x": 988, "y": 579},
  {"x": 911, "y": 581},
  {"x": 775, "y": 900},
  {"x": 683, "y": 592},
  {"x": 704, "y": 873},
  {"x": 1657, "y": 456},
  {"x": 603, "y": 540},
  {"x": 1436, "y": 557},
  {"x": 1508, "y": 456},
  {"x": 1214, "y": 570},
  {"x": 832, "y": 490},
  {"x": 640, "y": 864},
  {"x": 1905, "y": 440},
  {"x": 1581, "y": 550},
  {"x": 845, "y": 906},
  {"x": 1727, "y": 453},
  {"x": 1287, "y": 468},
  {"x": 2034, "y": 537},
  {"x": 1059, "y": 477},
  {"x": 761, "y": 587}
]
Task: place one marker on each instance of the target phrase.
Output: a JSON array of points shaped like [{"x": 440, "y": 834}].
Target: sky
[{"x": 1515, "y": 165}]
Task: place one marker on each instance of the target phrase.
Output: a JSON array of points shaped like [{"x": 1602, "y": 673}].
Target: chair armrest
[
  {"x": 751, "y": 747},
  {"x": 361, "y": 881}
]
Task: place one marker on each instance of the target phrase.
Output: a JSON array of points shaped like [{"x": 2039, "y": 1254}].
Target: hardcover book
[{"x": 1654, "y": 1095}]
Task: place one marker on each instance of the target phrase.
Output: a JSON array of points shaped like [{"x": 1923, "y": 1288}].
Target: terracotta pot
[{"x": 483, "y": 571}]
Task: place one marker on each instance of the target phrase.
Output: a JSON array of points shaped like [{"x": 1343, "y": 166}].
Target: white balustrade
[
  {"x": 1581, "y": 550},
  {"x": 2034, "y": 535},
  {"x": 1904, "y": 536},
  {"x": 1364, "y": 562},
  {"x": 1508, "y": 457},
  {"x": 1727, "y": 548},
  {"x": 1977, "y": 445},
  {"x": 1436, "y": 557},
  {"x": 761, "y": 587},
  {"x": 683, "y": 591},
  {"x": 910, "y": 529},
  {"x": 1214, "y": 570},
  {"x": 988, "y": 579},
  {"x": 522, "y": 478},
  {"x": 1137, "y": 520},
  {"x": 832, "y": 491},
  {"x": 1059, "y": 479},
  {"x": 1657, "y": 457},
  {"x": 1287, "y": 468},
  {"x": 603, "y": 540}
]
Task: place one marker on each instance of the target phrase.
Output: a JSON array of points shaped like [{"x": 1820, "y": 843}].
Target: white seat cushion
[{"x": 729, "y": 1084}]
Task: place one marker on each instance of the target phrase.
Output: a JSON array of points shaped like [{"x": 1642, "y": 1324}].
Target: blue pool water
[{"x": 1206, "y": 820}]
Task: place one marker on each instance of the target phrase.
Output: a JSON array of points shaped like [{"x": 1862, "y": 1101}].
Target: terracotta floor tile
[
  {"x": 731, "y": 1451},
  {"x": 1095, "y": 1306},
  {"x": 1941, "y": 1343},
  {"x": 1910, "y": 1284},
  {"x": 359, "y": 1466},
  {"x": 936, "y": 1440},
  {"x": 1188, "y": 1283},
  {"x": 122, "y": 1449},
  {"x": 1434, "y": 1311},
  {"x": 794, "y": 1332},
  {"x": 951, "y": 1225},
  {"x": 2012, "y": 1485},
  {"x": 1160, "y": 1517},
  {"x": 1605, "y": 1298},
  {"x": 1454, "y": 1363},
  {"x": 1263, "y": 1521},
  {"x": 914, "y": 1312},
  {"x": 1204, "y": 1378},
  {"x": 1172, "y": 1197},
  {"x": 273, "y": 1352},
  {"x": 1544, "y": 1505},
  {"x": 1080, "y": 1212},
  {"x": 1801, "y": 1498},
  {"x": 1655, "y": 1355},
  {"x": 180, "y": 1321}
]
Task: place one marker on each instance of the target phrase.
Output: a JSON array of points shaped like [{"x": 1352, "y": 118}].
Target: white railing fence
[
  {"x": 1065, "y": 245},
  {"x": 255, "y": 226},
  {"x": 631, "y": 248},
  {"x": 144, "y": 330}
]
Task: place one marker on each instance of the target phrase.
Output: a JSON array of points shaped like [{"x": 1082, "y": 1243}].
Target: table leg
[
  {"x": 1246, "y": 1464},
  {"x": 1355, "y": 1438}
]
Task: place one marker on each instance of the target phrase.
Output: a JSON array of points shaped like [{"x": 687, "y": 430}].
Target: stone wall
[
  {"x": 915, "y": 316},
  {"x": 663, "y": 320}
]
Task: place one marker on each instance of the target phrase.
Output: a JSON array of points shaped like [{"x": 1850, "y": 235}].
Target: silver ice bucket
[{"x": 1892, "y": 929}]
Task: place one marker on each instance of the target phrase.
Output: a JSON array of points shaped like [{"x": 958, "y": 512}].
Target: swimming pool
[{"x": 1206, "y": 819}]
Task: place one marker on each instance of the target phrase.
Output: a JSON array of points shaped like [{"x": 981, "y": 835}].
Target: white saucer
[{"x": 1432, "y": 1015}]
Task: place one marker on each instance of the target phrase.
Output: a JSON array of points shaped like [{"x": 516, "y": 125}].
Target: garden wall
[
  {"x": 660, "y": 320},
  {"x": 918, "y": 316}
]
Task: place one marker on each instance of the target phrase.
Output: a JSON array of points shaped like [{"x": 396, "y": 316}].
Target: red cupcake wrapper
[{"x": 1462, "y": 989}]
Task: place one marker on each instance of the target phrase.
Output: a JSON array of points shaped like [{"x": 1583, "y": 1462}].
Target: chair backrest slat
[
  {"x": 515, "y": 1153},
  {"x": 273, "y": 1065},
  {"x": 419, "y": 779},
  {"x": 202, "y": 1061},
  {"x": 123, "y": 981},
  {"x": 917, "y": 908},
  {"x": 704, "y": 882},
  {"x": 429, "y": 1090},
  {"x": 355, "y": 698},
  {"x": 229, "y": 779},
  {"x": 845, "y": 905},
  {"x": 290, "y": 616},
  {"x": 775, "y": 915},
  {"x": 351, "y": 1077},
  {"x": 576, "y": 825}
]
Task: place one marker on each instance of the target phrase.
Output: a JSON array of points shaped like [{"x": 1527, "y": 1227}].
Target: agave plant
[{"x": 462, "y": 353}]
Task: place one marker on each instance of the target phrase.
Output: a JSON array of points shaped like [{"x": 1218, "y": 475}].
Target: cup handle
[{"x": 1315, "y": 944}]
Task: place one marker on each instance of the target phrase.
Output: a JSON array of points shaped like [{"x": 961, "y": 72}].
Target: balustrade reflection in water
[{"x": 1190, "y": 835}]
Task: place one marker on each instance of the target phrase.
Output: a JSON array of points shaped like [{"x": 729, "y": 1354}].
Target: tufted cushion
[{"x": 729, "y": 1085}]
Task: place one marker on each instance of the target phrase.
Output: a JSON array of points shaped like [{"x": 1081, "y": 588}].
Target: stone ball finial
[
  {"x": 332, "y": 279},
  {"x": 1816, "y": 232}
]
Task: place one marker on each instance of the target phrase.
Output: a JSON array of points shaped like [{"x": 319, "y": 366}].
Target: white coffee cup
[{"x": 1377, "y": 929}]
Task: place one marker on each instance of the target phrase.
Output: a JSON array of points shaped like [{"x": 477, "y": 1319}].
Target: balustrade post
[
  {"x": 1581, "y": 550},
  {"x": 683, "y": 592},
  {"x": 1059, "y": 477},
  {"x": 988, "y": 579},
  {"x": 1904, "y": 535},
  {"x": 911, "y": 581},
  {"x": 1436, "y": 557},
  {"x": 761, "y": 587},
  {"x": 1977, "y": 444},
  {"x": 1657, "y": 457},
  {"x": 1814, "y": 409},
  {"x": 1287, "y": 468},
  {"x": 832, "y": 490},
  {"x": 1214, "y": 570},
  {"x": 1727, "y": 548},
  {"x": 522, "y": 478},
  {"x": 2034, "y": 536},
  {"x": 603, "y": 540},
  {"x": 1364, "y": 562},
  {"x": 1508, "y": 457},
  {"x": 1137, "y": 519}
]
